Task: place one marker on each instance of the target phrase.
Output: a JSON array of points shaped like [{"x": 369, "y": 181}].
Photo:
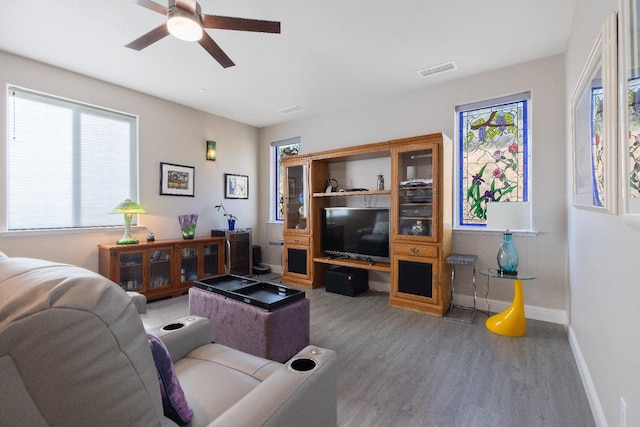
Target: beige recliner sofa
[{"x": 74, "y": 352}]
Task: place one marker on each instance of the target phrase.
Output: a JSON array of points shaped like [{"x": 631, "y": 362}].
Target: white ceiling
[{"x": 331, "y": 54}]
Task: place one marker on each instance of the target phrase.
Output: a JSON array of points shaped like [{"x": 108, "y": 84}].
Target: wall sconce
[{"x": 211, "y": 150}]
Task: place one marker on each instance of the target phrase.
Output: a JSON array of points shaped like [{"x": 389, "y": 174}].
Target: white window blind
[{"x": 69, "y": 164}]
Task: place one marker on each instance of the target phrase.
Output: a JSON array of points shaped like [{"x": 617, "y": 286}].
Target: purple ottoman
[{"x": 275, "y": 335}]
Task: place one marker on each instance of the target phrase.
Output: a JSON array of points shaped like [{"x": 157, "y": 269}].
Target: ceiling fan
[{"x": 186, "y": 22}]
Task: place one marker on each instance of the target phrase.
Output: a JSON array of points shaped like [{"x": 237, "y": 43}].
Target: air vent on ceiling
[
  {"x": 437, "y": 69},
  {"x": 289, "y": 110}
]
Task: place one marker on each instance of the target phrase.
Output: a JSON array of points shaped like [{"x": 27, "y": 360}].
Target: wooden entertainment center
[{"x": 420, "y": 201}]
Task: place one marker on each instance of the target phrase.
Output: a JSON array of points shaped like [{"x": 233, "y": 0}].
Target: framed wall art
[
  {"x": 595, "y": 124},
  {"x": 176, "y": 180},
  {"x": 236, "y": 186},
  {"x": 629, "y": 96}
]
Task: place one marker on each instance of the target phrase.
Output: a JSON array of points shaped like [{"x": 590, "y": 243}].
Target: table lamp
[
  {"x": 508, "y": 216},
  {"x": 128, "y": 207}
]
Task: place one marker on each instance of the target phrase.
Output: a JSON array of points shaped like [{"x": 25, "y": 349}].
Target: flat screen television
[{"x": 361, "y": 233}]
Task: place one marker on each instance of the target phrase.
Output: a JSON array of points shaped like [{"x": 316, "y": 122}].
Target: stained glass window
[
  {"x": 282, "y": 149},
  {"x": 493, "y": 144},
  {"x": 633, "y": 90},
  {"x": 597, "y": 146}
]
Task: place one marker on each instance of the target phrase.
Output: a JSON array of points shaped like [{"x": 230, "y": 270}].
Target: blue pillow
[{"x": 174, "y": 402}]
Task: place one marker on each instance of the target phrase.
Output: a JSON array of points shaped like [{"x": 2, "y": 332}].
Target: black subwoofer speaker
[{"x": 346, "y": 281}]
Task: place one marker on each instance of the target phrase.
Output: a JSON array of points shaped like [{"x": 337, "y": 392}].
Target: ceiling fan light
[{"x": 184, "y": 26}]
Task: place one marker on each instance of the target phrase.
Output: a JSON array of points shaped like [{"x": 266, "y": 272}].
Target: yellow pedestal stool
[{"x": 511, "y": 322}]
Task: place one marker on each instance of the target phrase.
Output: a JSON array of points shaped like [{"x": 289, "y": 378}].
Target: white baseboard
[
  {"x": 587, "y": 381},
  {"x": 483, "y": 304},
  {"x": 530, "y": 311},
  {"x": 553, "y": 316},
  {"x": 379, "y": 286},
  {"x": 275, "y": 268}
]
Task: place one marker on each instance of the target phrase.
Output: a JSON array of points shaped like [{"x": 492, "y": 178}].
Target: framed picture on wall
[
  {"x": 629, "y": 90},
  {"x": 236, "y": 186},
  {"x": 176, "y": 180},
  {"x": 595, "y": 124}
]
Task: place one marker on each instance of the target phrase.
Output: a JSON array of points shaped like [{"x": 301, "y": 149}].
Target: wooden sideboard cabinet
[{"x": 162, "y": 268}]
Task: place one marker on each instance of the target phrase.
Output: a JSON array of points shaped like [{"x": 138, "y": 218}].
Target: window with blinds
[{"x": 69, "y": 164}]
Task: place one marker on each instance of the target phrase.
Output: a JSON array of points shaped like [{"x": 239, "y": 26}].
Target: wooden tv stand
[{"x": 420, "y": 201}]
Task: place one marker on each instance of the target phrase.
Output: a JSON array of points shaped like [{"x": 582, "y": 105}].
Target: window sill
[
  {"x": 532, "y": 233},
  {"x": 54, "y": 231}
]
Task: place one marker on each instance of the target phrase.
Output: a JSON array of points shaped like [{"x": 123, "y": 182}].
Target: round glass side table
[{"x": 511, "y": 322}]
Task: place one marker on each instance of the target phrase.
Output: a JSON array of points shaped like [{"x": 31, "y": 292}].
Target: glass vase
[
  {"x": 188, "y": 225},
  {"x": 507, "y": 255},
  {"x": 418, "y": 229}
]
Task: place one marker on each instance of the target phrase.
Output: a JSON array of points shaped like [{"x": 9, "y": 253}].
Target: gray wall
[
  {"x": 432, "y": 110},
  {"x": 584, "y": 260},
  {"x": 603, "y": 275},
  {"x": 168, "y": 132}
]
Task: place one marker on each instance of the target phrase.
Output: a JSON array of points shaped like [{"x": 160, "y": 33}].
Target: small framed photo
[
  {"x": 176, "y": 180},
  {"x": 595, "y": 126},
  {"x": 236, "y": 186}
]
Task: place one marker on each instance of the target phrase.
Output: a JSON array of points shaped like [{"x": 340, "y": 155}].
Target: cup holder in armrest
[
  {"x": 303, "y": 365},
  {"x": 172, "y": 326}
]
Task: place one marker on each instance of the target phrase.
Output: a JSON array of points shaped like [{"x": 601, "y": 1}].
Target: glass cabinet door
[
  {"x": 131, "y": 270},
  {"x": 416, "y": 198},
  {"x": 160, "y": 268},
  {"x": 189, "y": 263},
  {"x": 296, "y": 200},
  {"x": 211, "y": 260}
]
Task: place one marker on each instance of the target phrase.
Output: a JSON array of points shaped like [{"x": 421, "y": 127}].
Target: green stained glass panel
[
  {"x": 634, "y": 137},
  {"x": 493, "y": 158},
  {"x": 597, "y": 146}
]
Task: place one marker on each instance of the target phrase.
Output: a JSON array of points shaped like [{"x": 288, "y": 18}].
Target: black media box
[{"x": 346, "y": 281}]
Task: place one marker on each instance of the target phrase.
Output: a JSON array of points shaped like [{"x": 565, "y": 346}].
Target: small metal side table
[{"x": 457, "y": 312}]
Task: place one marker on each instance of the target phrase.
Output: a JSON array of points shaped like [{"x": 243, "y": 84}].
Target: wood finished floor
[{"x": 399, "y": 368}]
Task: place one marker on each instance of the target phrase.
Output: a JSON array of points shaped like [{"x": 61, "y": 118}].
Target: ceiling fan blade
[
  {"x": 151, "y": 37},
  {"x": 240, "y": 24},
  {"x": 214, "y": 50},
  {"x": 153, "y": 6}
]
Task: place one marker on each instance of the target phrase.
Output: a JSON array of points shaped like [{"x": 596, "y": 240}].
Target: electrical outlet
[{"x": 623, "y": 412}]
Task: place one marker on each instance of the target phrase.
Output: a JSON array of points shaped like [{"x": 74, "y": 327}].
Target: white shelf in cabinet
[{"x": 354, "y": 193}]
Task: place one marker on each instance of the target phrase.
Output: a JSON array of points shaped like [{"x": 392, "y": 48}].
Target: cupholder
[
  {"x": 303, "y": 365},
  {"x": 172, "y": 326}
]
